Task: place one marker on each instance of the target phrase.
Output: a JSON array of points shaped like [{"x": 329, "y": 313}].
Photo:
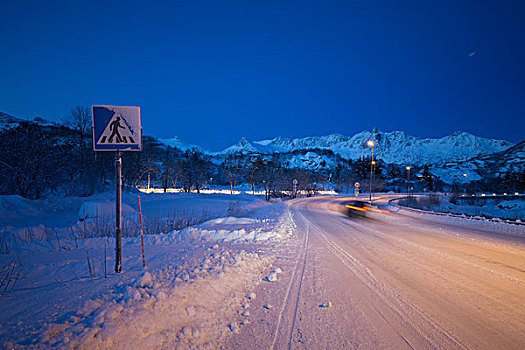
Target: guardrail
[
  {"x": 464, "y": 216},
  {"x": 490, "y": 196}
]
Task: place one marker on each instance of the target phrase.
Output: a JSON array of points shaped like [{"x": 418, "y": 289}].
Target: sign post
[
  {"x": 117, "y": 128},
  {"x": 357, "y": 185},
  {"x": 118, "y": 211}
]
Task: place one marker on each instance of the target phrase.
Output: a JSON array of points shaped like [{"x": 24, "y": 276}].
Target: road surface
[{"x": 389, "y": 282}]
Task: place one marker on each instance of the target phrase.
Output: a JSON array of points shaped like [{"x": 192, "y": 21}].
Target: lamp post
[
  {"x": 408, "y": 181},
  {"x": 371, "y": 143},
  {"x": 465, "y": 176}
]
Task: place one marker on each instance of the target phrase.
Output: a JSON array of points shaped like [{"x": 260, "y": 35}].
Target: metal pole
[
  {"x": 408, "y": 184},
  {"x": 118, "y": 249},
  {"x": 371, "y": 172}
]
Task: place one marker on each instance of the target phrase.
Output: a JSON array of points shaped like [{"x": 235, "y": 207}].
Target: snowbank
[
  {"x": 512, "y": 209},
  {"x": 165, "y": 308},
  {"x": 233, "y": 229}
]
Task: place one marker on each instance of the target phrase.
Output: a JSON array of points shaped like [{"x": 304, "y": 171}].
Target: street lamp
[
  {"x": 371, "y": 143},
  {"x": 465, "y": 176},
  {"x": 408, "y": 181}
]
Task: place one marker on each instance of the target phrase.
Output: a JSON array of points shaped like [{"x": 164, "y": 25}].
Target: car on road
[
  {"x": 357, "y": 208},
  {"x": 361, "y": 208}
]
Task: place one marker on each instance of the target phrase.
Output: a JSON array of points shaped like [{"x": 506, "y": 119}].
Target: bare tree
[
  {"x": 269, "y": 176},
  {"x": 79, "y": 120},
  {"x": 232, "y": 166},
  {"x": 28, "y": 162},
  {"x": 193, "y": 170},
  {"x": 253, "y": 166}
]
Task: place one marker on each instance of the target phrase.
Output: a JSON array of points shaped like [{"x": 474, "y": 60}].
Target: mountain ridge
[{"x": 394, "y": 147}]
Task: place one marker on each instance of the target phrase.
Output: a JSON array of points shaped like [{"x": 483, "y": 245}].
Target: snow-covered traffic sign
[{"x": 116, "y": 128}]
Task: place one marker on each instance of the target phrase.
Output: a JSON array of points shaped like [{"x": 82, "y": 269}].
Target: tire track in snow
[
  {"x": 428, "y": 270},
  {"x": 407, "y": 312},
  {"x": 292, "y": 295},
  {"x": 442, "y": 254}
]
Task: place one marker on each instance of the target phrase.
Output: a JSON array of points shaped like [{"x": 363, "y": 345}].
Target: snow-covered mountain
[
  {"x": 509, "y": 160},
  {"x": 392, "y": 147},
  {"x": 8, "y": 121},
  {"x": 245, "y": 147},
  {"x": 175, "y": 142}
]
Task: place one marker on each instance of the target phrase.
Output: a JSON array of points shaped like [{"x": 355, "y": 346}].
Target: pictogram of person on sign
[{"x": 114, "y": 126}]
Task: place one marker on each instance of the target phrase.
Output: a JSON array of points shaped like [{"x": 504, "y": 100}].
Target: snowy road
[{"x": 389, "y": 282}]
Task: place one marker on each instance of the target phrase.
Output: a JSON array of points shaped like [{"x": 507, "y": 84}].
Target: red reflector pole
[{"x": 142, "y": 236}]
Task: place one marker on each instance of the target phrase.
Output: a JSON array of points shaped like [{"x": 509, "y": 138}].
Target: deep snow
[{"x": 196, "y": 281}]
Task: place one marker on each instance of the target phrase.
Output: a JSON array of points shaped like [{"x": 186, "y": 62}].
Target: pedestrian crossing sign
[{"x": 116, "y": 128}]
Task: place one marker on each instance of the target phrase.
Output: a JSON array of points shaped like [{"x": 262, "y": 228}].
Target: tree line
[{"x": 38, "y": 159}]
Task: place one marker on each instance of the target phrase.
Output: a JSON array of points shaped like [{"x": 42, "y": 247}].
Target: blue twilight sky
[{"x": 211, "y": 72}]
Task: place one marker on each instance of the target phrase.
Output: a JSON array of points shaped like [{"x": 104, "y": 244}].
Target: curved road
[{"x": 391, "y": 281}]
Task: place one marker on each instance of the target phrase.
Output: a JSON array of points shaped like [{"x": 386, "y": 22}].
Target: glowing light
[
  {"x": 370, "y": 143},
  {"x": 408, "y": 168},
  {"x": 365, "y": 209},
  {"x": 355, "y": 208}
]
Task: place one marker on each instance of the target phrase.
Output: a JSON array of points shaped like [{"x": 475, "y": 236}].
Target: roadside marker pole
[{"x": 142, "y": 236}]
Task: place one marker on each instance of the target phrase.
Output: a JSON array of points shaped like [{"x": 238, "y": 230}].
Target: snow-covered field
[{"x": 59, "y": 289}]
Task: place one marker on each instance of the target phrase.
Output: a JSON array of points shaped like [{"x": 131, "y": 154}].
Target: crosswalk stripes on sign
[{"x": 116, "y": 132}]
